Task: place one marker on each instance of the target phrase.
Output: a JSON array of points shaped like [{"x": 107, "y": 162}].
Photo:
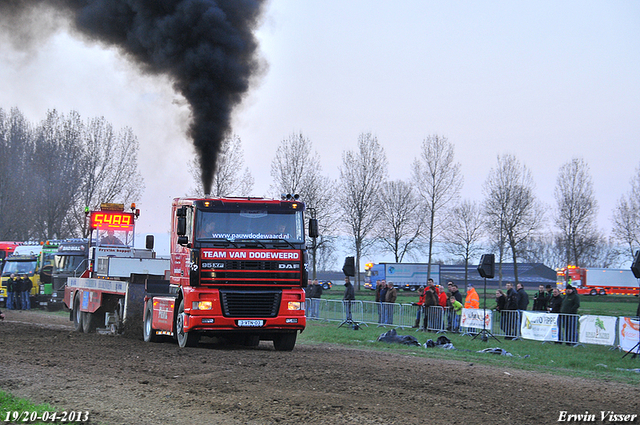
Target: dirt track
[{"x": 125, "y": 381}]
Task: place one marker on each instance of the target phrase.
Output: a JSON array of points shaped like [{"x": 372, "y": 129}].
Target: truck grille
[
  {"x": 250, "y": 303},
  {"x": 253, "y": 273}
]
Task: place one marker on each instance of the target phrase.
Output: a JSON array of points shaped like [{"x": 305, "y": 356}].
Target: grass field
[{"x": 589, "y": 361}]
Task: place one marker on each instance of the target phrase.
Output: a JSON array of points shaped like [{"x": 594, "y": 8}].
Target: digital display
[{"x": 115, "y": 220}]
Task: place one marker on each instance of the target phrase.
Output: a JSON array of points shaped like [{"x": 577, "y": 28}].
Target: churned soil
[{"x": 123, "y": 380}]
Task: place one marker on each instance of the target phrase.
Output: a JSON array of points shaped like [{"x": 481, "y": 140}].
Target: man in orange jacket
[{"x": 472, "y": 300}]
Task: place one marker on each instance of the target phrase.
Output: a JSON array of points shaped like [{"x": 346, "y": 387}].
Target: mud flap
[{"x": 134, "y": 305}]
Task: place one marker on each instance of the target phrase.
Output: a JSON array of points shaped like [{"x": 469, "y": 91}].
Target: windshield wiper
[
  {"x": 274, "y": 241},
  {"x": 225, "y": 242}
]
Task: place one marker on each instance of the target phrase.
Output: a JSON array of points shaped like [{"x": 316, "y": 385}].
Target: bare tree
[
  {"x": 438, "y": 181},
  {"x": 463, "y": 235},
  {"x": 296, "y": 169},
  {"x": 231, "y": 177},
  {"x": 626, "y": 216},
  {"x": 401, "y": 221},
  {"x": 56, "y": 165},
  {"x": 109, "y": 168},
  {"x": 546, "y": 249},
  {"x": 511, "y": 208},
  {"x": 577, "y": 211},
  {"x": 16, "y": 196},
  {"x": 361, "y": 175}
]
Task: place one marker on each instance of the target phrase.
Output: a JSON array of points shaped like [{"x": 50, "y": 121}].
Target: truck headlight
[
  {"x": 202, "y": 305},
  {"x": 294, "y": 305}
]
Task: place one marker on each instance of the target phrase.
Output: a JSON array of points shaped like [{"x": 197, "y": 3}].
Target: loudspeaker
[
  {"x": 635, "y": 267},
  {"x": 486, "y": 268},
  {"x": 349, "y": 267}
]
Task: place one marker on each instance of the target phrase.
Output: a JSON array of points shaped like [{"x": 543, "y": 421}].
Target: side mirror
[
  {"x": 313, "y": 228},
  {"x": 183, "y": 240},
  {"x": 181, "y": 226},
  {"x": 45, "y": 274}
]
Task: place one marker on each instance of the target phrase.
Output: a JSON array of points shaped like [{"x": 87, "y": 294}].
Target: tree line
[
  {"x": 52, "y": 170},
  {"x": 409, "y": 219}
]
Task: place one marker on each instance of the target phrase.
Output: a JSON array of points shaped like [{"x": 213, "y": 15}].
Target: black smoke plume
[{"x": 206, "y": 47}]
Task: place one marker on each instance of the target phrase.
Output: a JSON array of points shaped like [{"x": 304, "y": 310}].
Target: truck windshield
[
  {"x": 250, "y": 224},
  {"x": 19, "y": 267},
  {"x": 67, "y": 263}
]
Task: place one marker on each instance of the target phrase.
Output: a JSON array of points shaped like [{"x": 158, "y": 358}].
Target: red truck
[
  {"x": 237, "y": 271},
  {"x": 598, "y": 281}
]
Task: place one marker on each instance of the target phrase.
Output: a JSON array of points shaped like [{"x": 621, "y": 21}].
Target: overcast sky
[{"x": 546, "y": 81}]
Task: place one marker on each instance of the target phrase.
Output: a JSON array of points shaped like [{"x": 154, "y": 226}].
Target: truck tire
[
  {"x": 185, "y": 339},
  {"x": 89, "y": 322},
  {"x": 602, "y": 292},
  {"x": 285, "y": 341},
  {"x": 593, "y": 292},
  {"x": 77, "y": 315},
  {"x": 149, "y": 333}
]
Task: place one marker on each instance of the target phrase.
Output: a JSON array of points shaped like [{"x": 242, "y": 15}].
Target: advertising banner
[
  {"x": 473, "y": 318},
  {"x": 539, "y": 326},
  {"x": 599, "y": 330},
  {"x": 628, "y": 333}
]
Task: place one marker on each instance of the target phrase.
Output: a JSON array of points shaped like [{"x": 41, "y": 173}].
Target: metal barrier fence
[{"x": 435, "y": 319}]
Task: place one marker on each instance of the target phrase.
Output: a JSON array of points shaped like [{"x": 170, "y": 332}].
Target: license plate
[{"x": 250, "y": 323}]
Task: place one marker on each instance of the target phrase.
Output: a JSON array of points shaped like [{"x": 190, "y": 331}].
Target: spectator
[
  {"x": 511, "y": 312},
  {"x": 453, "y": 288},
  {"x": 26, "y": 286},
  {"x": 549, "y": 292},
  {"x": 381, "y": 286},
  {"x": 315, "y": 296},
  {"x": 443, "y": 300},
  {"x": 420, "y": 303},
  {"x": 390, "y": 299},
  {"x": 568, "y": 318},
  {"x": 1, "y": 315},
  {"x": 11, "y": 286},
  {"x": 522, "y": 297},
  {"x": 472, "y": 300},
  {"x": 555, "y": 302},
  {"x": 308, "y": 291},
  {"x": 501, "y": 305},
  {"x": 456, "y": 308},
  {"x": 382, "y": 306},
  {"x": 349, "y": 297},
  {"x": 554, "y": 306},
  {"x": 540, "y": 299},
  {"x": 431, "y": 300},
  {"x": 442, "y": 297},
  {"x": 17, "y": 293}
]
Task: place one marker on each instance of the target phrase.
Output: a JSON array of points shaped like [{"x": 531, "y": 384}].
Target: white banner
[
  {"x": 598, "y": 330},
  {"x": 473, "y": 318},
  {"x": 539, "y": 326},
  {"x": 628, "y": 331}
]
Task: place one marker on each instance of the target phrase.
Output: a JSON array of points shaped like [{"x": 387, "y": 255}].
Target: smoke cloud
[{"x": 206, "y": 47}]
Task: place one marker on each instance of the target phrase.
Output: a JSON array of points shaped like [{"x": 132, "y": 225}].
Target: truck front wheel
[
  {"x": 185, "y": 339},
  {"x": 77, "y": 315},
  {"x": 285, "y": 341}
]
